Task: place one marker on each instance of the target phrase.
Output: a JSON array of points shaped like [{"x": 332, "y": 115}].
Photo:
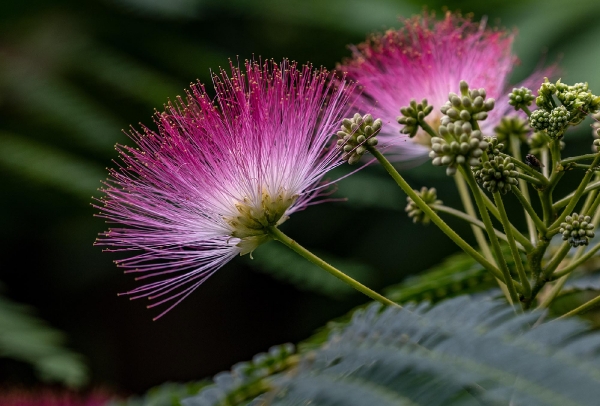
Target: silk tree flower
[
  {"x": 426, "y": 59},
  {"x": 206, "y": 186}
]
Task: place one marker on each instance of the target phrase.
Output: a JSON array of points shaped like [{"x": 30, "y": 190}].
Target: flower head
[
  {"x": 218, "y": 173},
  {"x": 426, "y": 59}
]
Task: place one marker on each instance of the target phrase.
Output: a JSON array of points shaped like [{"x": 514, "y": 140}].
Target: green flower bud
[
  {"x": 412, "y": 116},
  {"x": 558, "y": 122},
  {"x": 471, "y": 106},
  {"x": 577, "y": 229},
  {"x": 596, "y": 132},
  {"x": 356, "y": 134},
  {"x": 458, "y": 147},
  {"x": 497, "y": 175},
  {"x": 429, "y": 196},
  {"x": 512, "y": 126},
  {"x": 521, "y": 97},
  {"x": 494, "y": 146}
]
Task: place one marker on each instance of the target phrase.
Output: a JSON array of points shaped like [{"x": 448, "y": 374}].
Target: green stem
[
  {"x": 553, "y": 292},
  {"x": 565, "y": 200},
  {"x": 546, "y": 197},
  {"x": 432, "y": 215},
  {"x": 545, "y": 162},
  {"x": 584, "y": 307},
  {"x": 539, "y": 179},
  {"x": 580, "y": 166},
  {"x": 294, "y": 246},
  {"x": 531, "y": 215},
  {"x": 516, "y": 233},
  {"x": 526, "y": 110},
  {"x": 591, "y": 201},
  {"x": 563, "y": 279},
  {"x": 515, "y": 146},
  {"x": 591, "y": 209},
  {"x": 472, "y": 220},
  {"x": 489, "y": 227},
  {"x": 577, "y": 158},
  {"x": 547, "y": 212},
  {"x": 532, "y": 180},
  {"x": 574, "y": 264},
  {"x": 557, "y": 258},
  {"x": 427, "y": 128},
  {"x": 535, "y": 257},
  {"x": 578, "y": 193},
  {"x": 463, "y": 191},
  {"x": 512, "y": 244},
  {"x": 555, "y": 152}
]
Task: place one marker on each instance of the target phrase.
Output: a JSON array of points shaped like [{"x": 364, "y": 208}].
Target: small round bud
[
  {"x": 413, "y": 116},
  {"x": 497, "y": 175},
  {"x": 494, "y": 146},
  {"x": 458, "y": 146},
  {"x": 489, "y": 104},
  {"x": 521, "y": 97},
  {"x": 357, "y": 133},
  {"x": 577, "y": 229},
  {"x": 558, "y": 121},
  {"x": 429, "y": 196}
]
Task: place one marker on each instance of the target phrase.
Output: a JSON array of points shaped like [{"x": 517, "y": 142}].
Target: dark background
[{"x": 73, "y": 74}]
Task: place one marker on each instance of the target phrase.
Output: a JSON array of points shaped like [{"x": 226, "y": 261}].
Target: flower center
[{"x": 252, "y": 221}]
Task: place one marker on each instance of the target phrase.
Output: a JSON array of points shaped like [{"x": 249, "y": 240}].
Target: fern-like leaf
[
  {"x": 167, "y": 394},
  {"x": 459, "y": 352},
  {"x": 247, "y": 380}
]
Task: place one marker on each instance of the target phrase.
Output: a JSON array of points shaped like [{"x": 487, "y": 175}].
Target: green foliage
[
  {"x": 247, "y": 380},
  {"x": 167, "y": 394},
  {"x": 284, "y": 264},
  {"x": 457, "y": 274},
  {"x": 33, "y": 160},
  {"x": 460, "y": 352},
  {"x": 582, "y": 282},
  {"x": 364, "y": 190},
  {"x": 26, "y": 338}
]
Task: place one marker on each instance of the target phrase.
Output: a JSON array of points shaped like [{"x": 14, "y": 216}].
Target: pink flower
[
  {"x": 427, "y": 59},
  {"x": 205, "y": 187}
]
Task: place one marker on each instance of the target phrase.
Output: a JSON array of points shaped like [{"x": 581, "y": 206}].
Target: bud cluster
[
  {"x": 497, "y": 175},
  {"x": 596, "y": 131},
  {"x": 554, "y": 122},
  {"x": 577, "y": 229},
  {"x": 471, "y": 105},
  {"x": 578, "y": 99},
  {"x": 356, "y": 134},
  {"x": 465, "y": 145},
  {"x": 429, "y": 196},
  {"x": 521, "y": 97},
  {"x": 412, "y": 115},
  {"x": 512, "y": 126},
  {"x": 576, "y": 102},
  {"x": 494, "y": 146}
]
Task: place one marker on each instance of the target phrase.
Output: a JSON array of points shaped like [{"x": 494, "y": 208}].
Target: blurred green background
[{"x": 73, "y": 74}]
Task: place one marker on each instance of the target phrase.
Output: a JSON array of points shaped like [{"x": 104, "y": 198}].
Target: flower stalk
[
  {"x": 278, "y": 235},
  {"x": 434, "y": 217}
]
